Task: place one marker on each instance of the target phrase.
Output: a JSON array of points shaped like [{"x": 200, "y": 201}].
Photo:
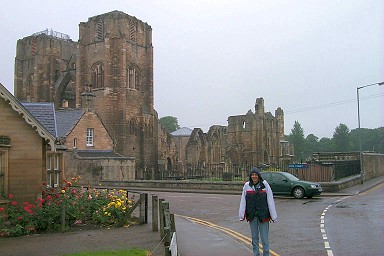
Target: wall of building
[
  {"x": 102, "y": 140},
  {"x": 26, "y": 155}
]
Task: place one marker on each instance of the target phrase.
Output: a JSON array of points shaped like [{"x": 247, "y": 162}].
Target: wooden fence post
[
  {"x": 173, "y": 223},
  {"x": 161, "y": 217},
  {"x": 143, "y": 208},
  {"x": 155, "y": 213}
]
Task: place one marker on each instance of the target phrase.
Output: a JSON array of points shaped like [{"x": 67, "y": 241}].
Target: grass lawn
[{"x": 131, "y": 252}]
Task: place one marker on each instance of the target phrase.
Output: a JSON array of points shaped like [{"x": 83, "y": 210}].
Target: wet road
[{"x": 304, "y": 227}]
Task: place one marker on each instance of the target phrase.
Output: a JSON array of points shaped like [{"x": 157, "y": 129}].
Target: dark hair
[{"x": 254, "y": 170}]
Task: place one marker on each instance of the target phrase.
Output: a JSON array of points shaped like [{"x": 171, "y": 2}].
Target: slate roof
[
  {"x": 44, "y": 112},
  {"x": 185, "y": 131},
  {"x": 99, "y": 154},
  {"x": 66, "y": 120}
]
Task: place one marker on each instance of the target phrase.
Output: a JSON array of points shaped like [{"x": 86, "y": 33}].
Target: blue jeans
[{"x": 262, "y": 228}]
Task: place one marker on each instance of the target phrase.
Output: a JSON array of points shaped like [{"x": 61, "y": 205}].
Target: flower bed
[{"x": 65, "y": 207}]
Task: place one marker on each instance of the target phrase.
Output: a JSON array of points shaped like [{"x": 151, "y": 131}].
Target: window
[
  {"x": 4, "y": 149},
  {"x": 53, "y": 171},
  {"x": 132, "y": 30},
  {"x": 133, "y": 78},
  {"x": 90, "y": 134},
  {"x": 100, "y": 31},
  {"x": 2, "y": 174},
  {"x": 97, "y": 75},
  {"x": 75, "y": 143}
]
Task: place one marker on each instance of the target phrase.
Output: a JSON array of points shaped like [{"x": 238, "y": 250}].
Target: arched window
[
  {"x": 132, "y": 127},
  {"x": 133, "y": 78},
  {"x": 97, "y": 73}
]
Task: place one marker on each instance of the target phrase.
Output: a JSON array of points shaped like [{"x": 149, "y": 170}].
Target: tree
[
  {"x": 169, "y": 123},
  {"x": 325, "y": 145},
  {"x": 311, "y": 144},
  {"x": 296, "y": 137},
  {"x": 341, "y": 138}
]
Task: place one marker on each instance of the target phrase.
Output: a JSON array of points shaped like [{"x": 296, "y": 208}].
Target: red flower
[
  {"x": 19, "y": 218},
  {"x": 1, "y": 209},
  {"x": 10, "y": 196},
  {"x": 14, "y": 203}
]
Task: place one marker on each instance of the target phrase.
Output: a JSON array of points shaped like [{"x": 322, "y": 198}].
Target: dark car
[{"x": 284, "y": 183}]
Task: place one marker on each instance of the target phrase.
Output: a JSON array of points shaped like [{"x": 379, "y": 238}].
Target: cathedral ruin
[{"x": 113, "y": 59}]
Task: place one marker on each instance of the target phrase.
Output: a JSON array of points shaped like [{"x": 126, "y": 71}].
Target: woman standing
[{"x": 258, "y": 208}]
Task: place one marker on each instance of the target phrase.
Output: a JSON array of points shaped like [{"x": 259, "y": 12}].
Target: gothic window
[
  {"x": 133, "y": 78},
  {"x": 132, "y": 127},
  {"x": 100, "y": 31},
  {"x": 97, "y": 73}
]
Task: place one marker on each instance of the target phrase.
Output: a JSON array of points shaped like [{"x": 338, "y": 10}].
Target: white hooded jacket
[{"x": 270, "y": 200}]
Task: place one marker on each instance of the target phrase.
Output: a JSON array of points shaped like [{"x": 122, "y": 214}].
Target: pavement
[{"x": 192, "y": 238}]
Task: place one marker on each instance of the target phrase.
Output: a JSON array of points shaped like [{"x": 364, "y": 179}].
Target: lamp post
[{"x": 358, "y": 119}]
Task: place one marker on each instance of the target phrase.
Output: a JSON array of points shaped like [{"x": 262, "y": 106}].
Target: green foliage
[
  {"x": 296, "y": 137},
  {"x": 341, "y": 139},
  {"x": 169, "y": 123},
  {"x": 79, "y": 205}
]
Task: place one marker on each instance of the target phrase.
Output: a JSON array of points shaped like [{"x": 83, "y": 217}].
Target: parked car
[{"x": 284, "y": 183}]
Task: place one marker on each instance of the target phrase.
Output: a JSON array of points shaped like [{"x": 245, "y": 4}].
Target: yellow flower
[{"x": 62, "y": 191}]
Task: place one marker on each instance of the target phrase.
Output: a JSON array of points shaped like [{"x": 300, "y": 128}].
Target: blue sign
[{"x": 297, "y": 165}]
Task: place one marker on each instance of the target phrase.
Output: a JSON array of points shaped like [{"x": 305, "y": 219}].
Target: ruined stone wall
[{"x": 253, "y": 138}]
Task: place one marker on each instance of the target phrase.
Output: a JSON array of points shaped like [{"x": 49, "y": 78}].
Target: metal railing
[{"x": 318, "y": 172}]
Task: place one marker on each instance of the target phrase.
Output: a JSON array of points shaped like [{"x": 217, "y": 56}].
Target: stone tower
[
  {"x": 44, "y": 68},
  {"x": 115, "y": 58}
]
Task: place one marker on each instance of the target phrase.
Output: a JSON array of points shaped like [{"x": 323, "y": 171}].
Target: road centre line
[
  {"x": 228, "y": 231},
  {"x": 322, "y": 227}
]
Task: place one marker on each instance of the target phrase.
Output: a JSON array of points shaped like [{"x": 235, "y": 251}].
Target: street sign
[{"x": 298, "y": 166}]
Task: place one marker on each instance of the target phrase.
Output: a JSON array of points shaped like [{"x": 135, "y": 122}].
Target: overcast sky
[{"x": 212, "y": 59}]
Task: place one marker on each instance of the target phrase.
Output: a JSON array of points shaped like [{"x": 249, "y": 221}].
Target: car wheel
[{"x": 298, "y": 192}]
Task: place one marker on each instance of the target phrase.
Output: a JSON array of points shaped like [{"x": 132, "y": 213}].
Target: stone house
[{"x": 24, "y": 146}]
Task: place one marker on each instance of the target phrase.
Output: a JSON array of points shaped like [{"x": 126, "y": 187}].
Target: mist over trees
[{"x": 343, "y": 140}]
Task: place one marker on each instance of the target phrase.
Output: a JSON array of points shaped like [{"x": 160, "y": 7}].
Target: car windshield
[{"x": 291, "y": 177}]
